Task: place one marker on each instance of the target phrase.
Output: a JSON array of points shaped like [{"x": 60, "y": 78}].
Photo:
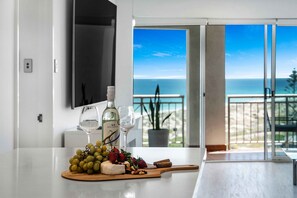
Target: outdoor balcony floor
[
  {"x": 242, "y": 154},
  {"x": 236, "y": 155}
]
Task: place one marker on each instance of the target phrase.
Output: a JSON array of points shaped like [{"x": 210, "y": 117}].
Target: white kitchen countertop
[{"x": 36, "y": 172}]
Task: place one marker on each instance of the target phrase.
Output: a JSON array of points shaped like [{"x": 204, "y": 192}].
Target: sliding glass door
[
  {"x": 244, "y": 89},
  {"x": 276, "y": 120},
  {"x": 284, "y": 89}
]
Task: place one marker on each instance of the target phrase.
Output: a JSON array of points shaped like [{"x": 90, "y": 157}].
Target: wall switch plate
[{"x": 28, "y": 65}]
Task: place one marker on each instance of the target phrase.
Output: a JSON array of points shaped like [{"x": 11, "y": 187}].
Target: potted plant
[{"x": 158, "y": 137}]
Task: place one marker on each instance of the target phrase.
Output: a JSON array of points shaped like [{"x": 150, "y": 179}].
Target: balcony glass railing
[{"x": 245, "y": 120}]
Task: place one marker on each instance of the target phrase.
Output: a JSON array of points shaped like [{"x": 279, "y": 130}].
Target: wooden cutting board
[{"x": 151, "y": 173}]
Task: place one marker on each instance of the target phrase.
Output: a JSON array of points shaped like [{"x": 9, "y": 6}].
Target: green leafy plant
[
  {"x": 292, "y": 82},
  {"x": 154, "y": 115},
  {"x": 292, "y": 88}
]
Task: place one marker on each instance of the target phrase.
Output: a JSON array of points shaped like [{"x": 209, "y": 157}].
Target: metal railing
[
  {"x": 245, "y": 118},
  {"x": 173, "y": 103}
]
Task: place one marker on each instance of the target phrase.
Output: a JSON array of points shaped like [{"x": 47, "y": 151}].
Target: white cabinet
[{"x": 78, "y": 138}]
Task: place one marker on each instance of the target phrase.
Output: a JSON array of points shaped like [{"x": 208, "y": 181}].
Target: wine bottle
[{"x": 110, "y": 120}]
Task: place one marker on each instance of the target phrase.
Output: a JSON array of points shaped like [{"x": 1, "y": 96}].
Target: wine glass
[
  {"x": 89, "y": 120},
  {"x": 127, "y": 121}
]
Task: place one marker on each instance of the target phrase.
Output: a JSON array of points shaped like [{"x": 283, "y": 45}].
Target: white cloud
[
  {"x": 228, "y": 54},
  {"x": 161, "y": 54},
  {"x": 159, "y": 77},
  {"x": 137, "y": 46},
  {"x": 181, "y": 56},
  {"x": 169, "y": 77},
  {"x": 293, "y": 61},
  {"x": 171, "y": 70},
  {"x": 139, "y": 76}
]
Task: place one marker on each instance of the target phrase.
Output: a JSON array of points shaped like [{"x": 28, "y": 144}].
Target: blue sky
[
  {"x": 159, "y": 53},
  {"x": 286, "y": 51},
  {"x": 245, "y": 51},
  {"x": 162, "y": 53}
]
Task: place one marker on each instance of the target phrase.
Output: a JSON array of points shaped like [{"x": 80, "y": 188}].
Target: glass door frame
[
  {"x": 273, "y": 77},
  {"x": 270, "y": 95},
  {"x": 269, "y": 92},
  {"x": 265, "y": 92},
  {"x": 273, "y": 91}
]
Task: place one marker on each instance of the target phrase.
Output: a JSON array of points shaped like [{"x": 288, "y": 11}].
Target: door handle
[{"x": 267, "y": 93}]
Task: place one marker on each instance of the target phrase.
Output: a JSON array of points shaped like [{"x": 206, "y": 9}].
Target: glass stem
[
  {"x": 89, "y": 139},
  {"x": 125, "y": 141}
]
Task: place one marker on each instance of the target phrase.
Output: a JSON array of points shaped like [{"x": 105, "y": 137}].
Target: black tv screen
[{"x": 94, "y": 38}]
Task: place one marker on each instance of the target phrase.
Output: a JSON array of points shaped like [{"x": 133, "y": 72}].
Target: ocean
[
  {"x": 167, "y": 86},
  {"x": 178, "y": 86}
]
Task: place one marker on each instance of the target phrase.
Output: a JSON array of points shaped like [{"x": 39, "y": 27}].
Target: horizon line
[
  {"x": 160, "y": 78},
  {"x": 186, "y": 78}
]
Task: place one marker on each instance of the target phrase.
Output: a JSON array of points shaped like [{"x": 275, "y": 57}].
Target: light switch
[
  {"x": 55, "y": 66},
  {"x": 28, "y": 65}
]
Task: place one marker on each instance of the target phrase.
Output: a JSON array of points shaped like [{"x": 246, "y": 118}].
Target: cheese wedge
[{"x": 112, "y": 169}]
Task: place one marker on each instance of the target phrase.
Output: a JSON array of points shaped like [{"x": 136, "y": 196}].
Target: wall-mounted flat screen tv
[{"x": 93, "y": 55}]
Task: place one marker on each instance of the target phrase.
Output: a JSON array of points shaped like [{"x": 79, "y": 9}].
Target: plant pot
[{"x": 158, "y": 138}]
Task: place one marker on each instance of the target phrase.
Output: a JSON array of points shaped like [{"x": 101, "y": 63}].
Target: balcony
[{"x": 245, "y": 121}]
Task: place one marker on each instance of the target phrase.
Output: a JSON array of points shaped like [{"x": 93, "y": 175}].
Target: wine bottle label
[{"x": 111, "y": 132}]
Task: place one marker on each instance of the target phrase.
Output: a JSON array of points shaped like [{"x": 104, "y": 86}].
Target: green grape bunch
[{"x": 89, "y": 160}]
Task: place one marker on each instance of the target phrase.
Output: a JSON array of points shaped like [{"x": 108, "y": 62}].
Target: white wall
[
  {"x": 63, "y": 116},
  {"x": 216, "y": 8},
  {"x": 124, "y": 53},
  {"x": 7, "y": 80},
  {"x": 35, "y": 89},
  {"x": 49, "y": 22}
]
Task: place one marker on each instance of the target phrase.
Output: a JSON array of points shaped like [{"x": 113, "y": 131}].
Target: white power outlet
[{"x": 28, "y": 65}]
